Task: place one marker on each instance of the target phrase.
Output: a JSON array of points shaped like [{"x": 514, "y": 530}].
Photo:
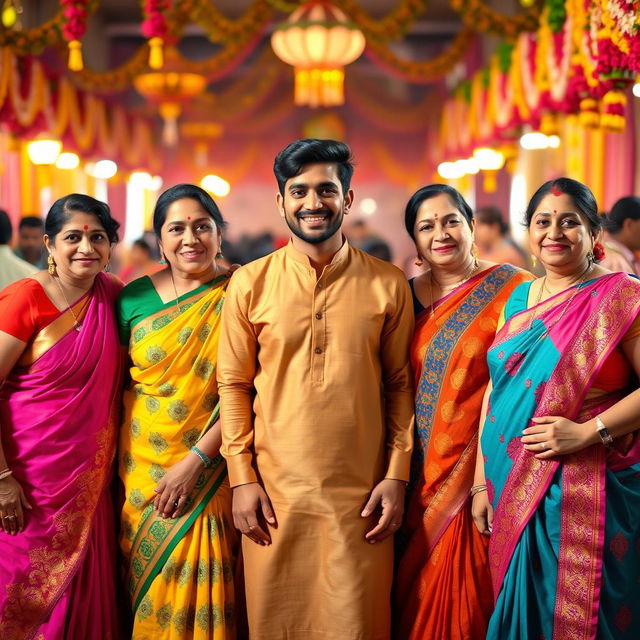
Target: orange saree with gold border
[{"x": 443, "y": 583}]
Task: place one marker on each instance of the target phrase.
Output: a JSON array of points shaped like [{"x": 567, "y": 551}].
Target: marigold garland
[
  {"x": 483, "y": 19},
  {"x": 422, "y": 72},
  {"x": 85, "y": 121}
]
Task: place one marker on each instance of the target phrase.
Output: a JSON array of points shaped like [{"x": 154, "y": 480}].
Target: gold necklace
[
  {"x": 432, "y": 279},
  {"x": 77, "y": 325},
  {"x": 175, "y": 289},
  {"x": 576, "y": 287}
]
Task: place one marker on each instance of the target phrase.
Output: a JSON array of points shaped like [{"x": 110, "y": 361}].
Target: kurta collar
[{"x": 338, "y": 259}]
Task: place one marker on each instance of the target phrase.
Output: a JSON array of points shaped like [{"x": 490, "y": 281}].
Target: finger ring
[
  {"x": 175, "y": 503},
  {"x": 9, "y": 517},
  {"x": 395, "y": 524},
  {"x": 543, "y": 445},
  {"x": 250, "y": 527}
]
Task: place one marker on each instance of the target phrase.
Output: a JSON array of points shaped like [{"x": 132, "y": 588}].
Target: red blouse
[{"x": 25, "y": 309}]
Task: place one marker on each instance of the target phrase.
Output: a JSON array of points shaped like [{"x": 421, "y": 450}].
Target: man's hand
[
  {"x": 249, "y": 502},
  {"x": 389, "y": 494}
]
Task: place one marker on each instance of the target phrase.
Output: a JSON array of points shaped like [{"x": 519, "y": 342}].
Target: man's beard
[{"x": 334, "y": 226}]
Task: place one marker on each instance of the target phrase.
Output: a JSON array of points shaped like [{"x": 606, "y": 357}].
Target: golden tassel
[
  {"x": 156, "y": 55},
  {"x": 75, "y": 56}
]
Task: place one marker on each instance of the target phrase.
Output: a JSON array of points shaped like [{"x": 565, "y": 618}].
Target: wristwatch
[{"x": 603, "y": 432}]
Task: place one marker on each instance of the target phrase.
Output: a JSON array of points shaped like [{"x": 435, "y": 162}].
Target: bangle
[
  {"x": 603, "y": 432},
  {"x": 477, "y": 489},
  {"x": 6, "y": 473},
  {"x": 206, "y": 460}
]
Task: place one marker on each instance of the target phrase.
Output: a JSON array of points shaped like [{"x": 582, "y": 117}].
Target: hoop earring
[{"x": 51, "y": 265}]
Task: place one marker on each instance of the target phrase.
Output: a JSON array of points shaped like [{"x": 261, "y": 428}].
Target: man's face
[
  {"x": 313, "y": 204},
  {"x": 30, "y": 240}
]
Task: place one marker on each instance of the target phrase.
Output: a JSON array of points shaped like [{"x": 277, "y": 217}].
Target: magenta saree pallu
[
  {"x": 543, "y": 362},
  {"x": 58, "y": 413}
]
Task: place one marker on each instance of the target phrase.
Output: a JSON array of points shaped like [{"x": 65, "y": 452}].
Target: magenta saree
[{"x": 58, "y": 414}]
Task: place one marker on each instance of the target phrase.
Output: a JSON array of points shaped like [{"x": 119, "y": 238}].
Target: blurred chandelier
[
  {"x": 170, "y": 89},
  {"x": 318, "y": 40}
]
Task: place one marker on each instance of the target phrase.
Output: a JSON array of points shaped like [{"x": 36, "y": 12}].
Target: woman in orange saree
[{"x": 443, "y": 583}]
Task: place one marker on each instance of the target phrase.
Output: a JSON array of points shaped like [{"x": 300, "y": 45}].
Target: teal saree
[{"x": 565, "y": 545}]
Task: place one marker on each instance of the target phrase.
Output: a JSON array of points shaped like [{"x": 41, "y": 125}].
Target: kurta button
[
  {"x": 318, "y": 350},
  {"x": 318, "y": 316}
]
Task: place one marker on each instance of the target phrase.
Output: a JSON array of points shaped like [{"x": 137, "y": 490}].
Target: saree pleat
[
  {"x": 179, "y": 571},
  {"x": 59, "y": 417},
  {"x": 443, "y": 585},
  {"x": 564, "y": 551}
]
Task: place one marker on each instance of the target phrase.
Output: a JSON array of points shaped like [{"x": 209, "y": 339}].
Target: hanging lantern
[
  {"x": 318, "y": 40},
  {"x": 170, "y": 89}
]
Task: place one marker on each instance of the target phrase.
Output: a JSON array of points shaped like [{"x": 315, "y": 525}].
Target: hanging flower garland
[
  {"x": 501, "y": 97},
  {"x": 483, "y": 19},
  {"x": 154, "y": 28},
  {"x": 556, "y": 28},
  {"x": 55, "y": 105},
  {"x": 392, "y": 26},
  {"x": 76, "y": 13},
  {"x": 421, "y": 72},
  {"x": 35, "y": 40},
  {"x": 221, "y": 29}
]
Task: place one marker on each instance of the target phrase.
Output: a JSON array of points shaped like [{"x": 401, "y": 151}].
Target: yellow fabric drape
[{"x": 169, "y": 401}]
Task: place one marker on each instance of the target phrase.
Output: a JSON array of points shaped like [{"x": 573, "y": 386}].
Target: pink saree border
[{"x": 530, "y": 478}]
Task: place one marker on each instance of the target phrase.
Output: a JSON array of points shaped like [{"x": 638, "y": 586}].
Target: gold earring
[
  {"x": 51, "y": 265},
  {"x": 534, "y": 261},
  {"x": 590, "y": 256},
  {"x": 418, "y": 262},
  {"x": 475, "y": 252}
]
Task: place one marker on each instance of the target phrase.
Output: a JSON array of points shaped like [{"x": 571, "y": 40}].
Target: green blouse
[{"x": 139, "y": 299}]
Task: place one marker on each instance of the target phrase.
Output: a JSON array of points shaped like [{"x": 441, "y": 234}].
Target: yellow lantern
[
  {"x": 318, "y": 40},
  {"x": 170, "y": 89}
]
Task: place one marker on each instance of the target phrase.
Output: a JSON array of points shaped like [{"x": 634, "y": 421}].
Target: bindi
[
  {"x": 555, "y": 211},
  {"x": 188, "y": 217},
  {"x": 435, "y": 215},
  {"x": 86, "y": 227}
]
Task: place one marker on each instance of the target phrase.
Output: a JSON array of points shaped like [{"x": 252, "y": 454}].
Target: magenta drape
[{"x": 58, "y": 419}]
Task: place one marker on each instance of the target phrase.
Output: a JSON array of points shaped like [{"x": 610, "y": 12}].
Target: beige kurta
[{"x": 317, "y": 402}]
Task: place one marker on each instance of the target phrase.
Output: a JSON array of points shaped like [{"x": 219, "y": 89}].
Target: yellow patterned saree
[{"x": 179, "y": 571}]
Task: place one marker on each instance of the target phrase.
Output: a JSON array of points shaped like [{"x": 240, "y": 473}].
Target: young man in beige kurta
[{"x": 317, "y": 411}]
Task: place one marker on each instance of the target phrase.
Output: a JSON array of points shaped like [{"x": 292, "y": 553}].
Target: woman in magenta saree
[
  {"x": 564, "y": 493},
  {"x": 58, "y": 419}
]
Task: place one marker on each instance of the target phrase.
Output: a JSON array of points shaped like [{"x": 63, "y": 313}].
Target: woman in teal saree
[{"x": 560, "y": 451}]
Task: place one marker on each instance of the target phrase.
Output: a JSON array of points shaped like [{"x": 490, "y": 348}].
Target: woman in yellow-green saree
[{"x": 177, "y": 535}]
